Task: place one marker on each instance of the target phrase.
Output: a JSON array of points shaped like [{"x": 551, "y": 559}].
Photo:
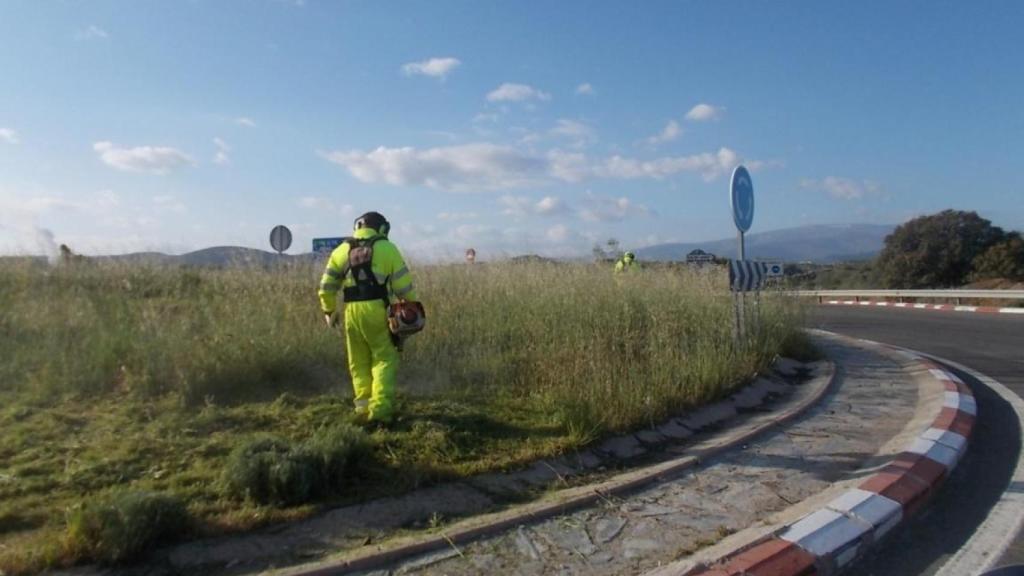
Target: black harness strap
[{"x": 360, "y": 259}]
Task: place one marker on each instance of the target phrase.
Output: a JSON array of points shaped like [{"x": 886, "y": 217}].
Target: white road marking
[{"x": 1006, "y": 519}]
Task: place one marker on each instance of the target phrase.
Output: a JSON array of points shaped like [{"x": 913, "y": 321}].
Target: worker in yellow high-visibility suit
[
  {"x": 627, "y": 263},
  {"x": 369, "y": 270}
]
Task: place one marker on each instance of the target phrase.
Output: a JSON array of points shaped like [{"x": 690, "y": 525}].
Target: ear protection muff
[{"x": 373, "y": 220}]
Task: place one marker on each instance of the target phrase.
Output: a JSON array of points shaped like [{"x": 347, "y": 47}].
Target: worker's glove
[{"x": 331, "y": 319}]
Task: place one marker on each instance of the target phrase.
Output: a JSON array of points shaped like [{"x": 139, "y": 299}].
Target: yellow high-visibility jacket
[
  {"x": 387, "y": 265},
  {"x": 626, "y": 265}
]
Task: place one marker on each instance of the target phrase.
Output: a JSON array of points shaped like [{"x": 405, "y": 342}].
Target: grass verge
[{"x": 222, "y": 390}]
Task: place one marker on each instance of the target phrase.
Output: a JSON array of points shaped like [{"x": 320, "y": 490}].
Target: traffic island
[
  {"x": 389, "y": 530},
  {"x": 681, "y": 499}
]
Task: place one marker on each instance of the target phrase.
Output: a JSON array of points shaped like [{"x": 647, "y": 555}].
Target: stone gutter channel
[
  {"x": 829, "y": 535},
  {"x": 730, "y": 474}
]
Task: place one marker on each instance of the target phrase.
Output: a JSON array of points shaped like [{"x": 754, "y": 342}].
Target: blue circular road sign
[{"x": 741, "y": 197}]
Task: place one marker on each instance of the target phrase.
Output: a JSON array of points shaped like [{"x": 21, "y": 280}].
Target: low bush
[
  {"x": 272, "y": 470},
  {"x": 798, "y": 346},
  {"x": 123, "y": 525},
  {"x": 337, "y": 452}
]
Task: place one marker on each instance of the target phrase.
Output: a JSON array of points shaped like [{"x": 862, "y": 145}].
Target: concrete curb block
[
  {"x": 945, "y": 307},
  {"x": 827, "y": 540},
  {"x": 562, "y": 502}
]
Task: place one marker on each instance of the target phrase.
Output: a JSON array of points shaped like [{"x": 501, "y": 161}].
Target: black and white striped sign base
[{"x": 747, "y": 275}]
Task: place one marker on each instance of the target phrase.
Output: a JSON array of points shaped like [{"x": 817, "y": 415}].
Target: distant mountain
[
  {"x": 225, "y": 255},
  {"x": 820, "y": 243},
  {"x": 217, "y": 256}
]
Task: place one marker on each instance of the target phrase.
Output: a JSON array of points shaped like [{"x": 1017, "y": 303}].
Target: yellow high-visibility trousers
[{"x": 372, "y": 358}]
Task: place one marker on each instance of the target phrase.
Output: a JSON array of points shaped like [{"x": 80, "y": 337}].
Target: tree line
[{"x": 949, "y": 249}]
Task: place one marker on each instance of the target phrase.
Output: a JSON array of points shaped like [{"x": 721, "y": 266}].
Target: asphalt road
[{"x": 989, "y": 343}]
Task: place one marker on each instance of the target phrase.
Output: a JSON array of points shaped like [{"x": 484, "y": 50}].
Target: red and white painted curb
[
  {"x": 827, "y": 540},
  {"x": 946, "y": 307}
]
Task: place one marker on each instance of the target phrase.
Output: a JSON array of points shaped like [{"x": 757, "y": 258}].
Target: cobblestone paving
[{"x": 670, "y": 520}]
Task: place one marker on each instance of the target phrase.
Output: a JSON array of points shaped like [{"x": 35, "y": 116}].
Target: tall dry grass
[{"x": 603, "y": 352}]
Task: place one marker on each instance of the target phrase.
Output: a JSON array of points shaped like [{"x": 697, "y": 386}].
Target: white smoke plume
[{"x": 46, "y": 244}]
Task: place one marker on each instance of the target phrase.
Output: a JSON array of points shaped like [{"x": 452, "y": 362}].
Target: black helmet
[{"x": 374, "y": 220}]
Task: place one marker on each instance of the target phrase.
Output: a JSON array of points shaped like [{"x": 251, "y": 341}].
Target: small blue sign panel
[
  {"x": 741, "y": 196},
  {"x": 326, "y": 245}
]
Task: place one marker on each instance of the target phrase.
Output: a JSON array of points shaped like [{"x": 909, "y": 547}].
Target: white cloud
[
  {"x": 549, "y": 205},
  {"x": 483, "y": 166},
  {"x": 704, "y": 112},
  {"x": 27, "y": 218},
  {"x": 519, "y": 206},
  {"x": 709, "y": 165},
  {"x": 456, "y": 168},
  {"x": 434, "y": 67},
  {"x": 168, "y": 203},
  {"x": 568, "y": 166},
  {"x": 585, "y": 88},
  {"x": 842, "y": 188},
  {"x": 609, "y": 209},
  {"x": 93, "y": 32},
  {"x": 19, "y": 208},
  {"x": 106, "y": 199},
  {"x": 670, "y": 132},
  {"x": 457, "y": 216},
  {"x": 326, "y": 205},
  {"x": 511, "y": 92},
  {"x": 151, "y": 159},
  {"x": 245, "y": 121},
  {"x": 221, "y": 157},
  {"x": 9, "y": 135},
  {"x": 469, "y": 232},
  {"x": 515, "y": 205},
  {"x": 558, "y": 233},
  {"x": 580, "y": 133}
]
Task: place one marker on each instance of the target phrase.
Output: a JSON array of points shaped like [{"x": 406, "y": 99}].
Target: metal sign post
[
  {"x": 741, "y": 200},
  {"x": 280, "y": 239}
]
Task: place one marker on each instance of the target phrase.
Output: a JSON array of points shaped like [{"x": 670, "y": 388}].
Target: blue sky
[{"x": 511, "y": 127}]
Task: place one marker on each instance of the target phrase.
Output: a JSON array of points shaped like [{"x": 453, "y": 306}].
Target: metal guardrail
[{"x": 899, "y": 294}]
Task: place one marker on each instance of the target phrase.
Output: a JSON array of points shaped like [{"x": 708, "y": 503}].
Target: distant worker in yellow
[
  {"x": 627, "y": 263},
  {"x": 380, "y": 307}
]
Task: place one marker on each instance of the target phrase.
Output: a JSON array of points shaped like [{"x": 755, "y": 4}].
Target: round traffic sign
[
  {"x": 280, "y": 238},
  {"x": 741, "y": 198}
]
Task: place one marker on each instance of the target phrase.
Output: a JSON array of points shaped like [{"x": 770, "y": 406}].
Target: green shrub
[
  {"x": 338, "y": 451},
  {"x": 798, "y": 346},
  {"x": 247, "y": 472},
  {"x": 272, "y": 470},
  {"x": 123, "y": 525}
]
